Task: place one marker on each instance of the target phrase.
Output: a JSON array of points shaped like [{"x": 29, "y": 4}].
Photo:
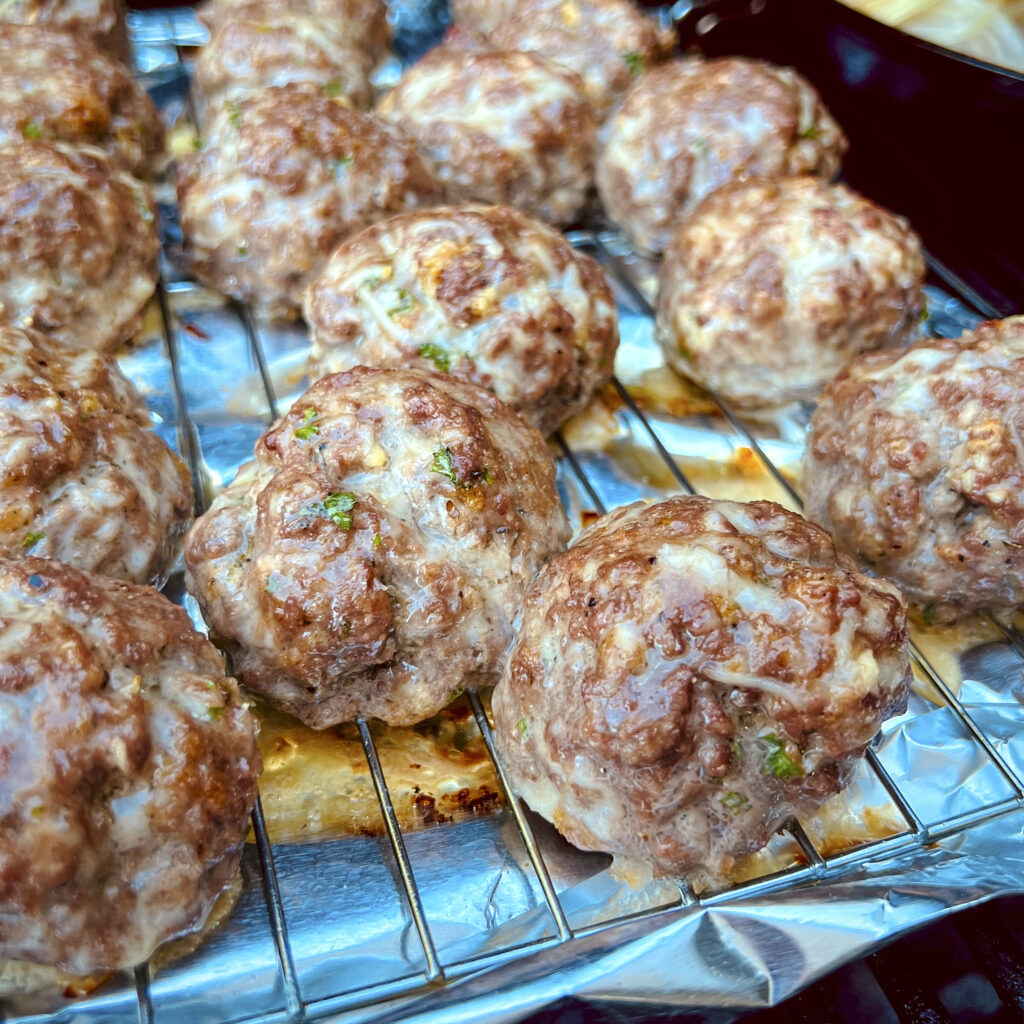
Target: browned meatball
[
  {"x": 283, "y": 177},
  {"x": 771, "y": 286},
  {"x": 366, "y": 20},
  {"x": 270, "y": 47},
  {"x": 128, "y": 767},
  {"x": 99, "y": 21},
  {"x": 606, "y": 42},
  {"x": 82, "y": 477},
  {"x": 500, "y": 127},
  {"x": 691, "y": 673},
  {"x": 485, "y": 293},
  {"x": 691, "y": 126},
  {"x": 915, "y": 463},
  {"x": 54, "y": 86},
  {"x": 371, "y": 559},
  {"x": 78, "y": 244}
]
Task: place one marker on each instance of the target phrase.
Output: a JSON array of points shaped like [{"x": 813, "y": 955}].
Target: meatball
[
  {"x": 99, "y": 21},
  {"x": 915, "y": 463},
  {"x": 128, "y": 766},
  {"x": 282, "y": 178},
  {"x": 82, "y": 477},
  {"x": 371, "y": 559},
  {"x": 487, "y": 294},
  {"x": 54, "y": 86},
  {"x": 771, "y": 286},
  {"x": 278, "y": 47},
  {"x": 606, "y": 42},
  {"x": 366, "y": 21},
  {"x": 500, "y": 127},
  {"x": 690, "y": 674},
  {"x": 78, "y": 244},
  {"x": 691, "y": 126}
]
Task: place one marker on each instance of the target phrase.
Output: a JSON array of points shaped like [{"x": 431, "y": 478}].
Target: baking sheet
[{"x": 932, "y": 823}]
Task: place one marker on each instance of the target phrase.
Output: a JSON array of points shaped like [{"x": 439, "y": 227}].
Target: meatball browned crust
[
  {"x": 691, "y": 126},
  {"x": 282, "y": 178},
  {"x": 82, "y": 477},
  {"x": 691, "y": 673},
  {"x": 606, "y": 42},
  {"x": 485, "y": 293},
  {"x": 371, "y": 559},
  {"x": 57, "y": 87},
  {"x": 915, "y": 463},
  {"x": 500, "y": 127},
  {"x": 128, "y": 767},
  {"x": 99, "y": 21},
  {"x": 78, "y": 244},
  {"x": 772, "y": 286},
  {"x": 280, "y": 47}
]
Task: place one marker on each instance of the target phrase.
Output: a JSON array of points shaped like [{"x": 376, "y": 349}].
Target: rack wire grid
[{"x": 314, "y": 983}]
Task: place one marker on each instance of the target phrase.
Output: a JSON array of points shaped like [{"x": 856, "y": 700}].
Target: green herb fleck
[
  {"x": 404, "y": 303},
  {"x": 216, "y": 713},
  {"x": 38, "y": 810},
  {"x": 924, "y": 310},
  {"x": 197, "y": 143},
  {"x": 243, "y": 248},
  {"x": 339, "y": 165},
  {"x": 333, "y": 87},
  {"x": 735, "y": 802},
  {"x": 927, "y": 614},
  {"x": 338, "y": 508},
  {"x": 778, "y": 762},
  {"x": 809, "y": 133},
  {"x": 32, "y": 539},
  {"x": 440, "y": 358},
  {"x": 443, "y": 464},
  {"x": 735, "y": 749},
  {"x": 309, "y": 427},
  {"x": 635, "y": 62},
  {"x": 521, "y": 727},
  {"x": 32, "y": 131},
  {"x": 377, "y": 541},
  {"x": 235, "y": 115},
  {"x": 453, "y": 696}
]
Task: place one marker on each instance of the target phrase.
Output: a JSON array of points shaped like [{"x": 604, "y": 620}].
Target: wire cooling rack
[{"x": 326, "y": 928}]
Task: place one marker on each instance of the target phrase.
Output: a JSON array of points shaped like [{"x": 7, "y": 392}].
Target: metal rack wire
[{"x": 810, "y": 866}]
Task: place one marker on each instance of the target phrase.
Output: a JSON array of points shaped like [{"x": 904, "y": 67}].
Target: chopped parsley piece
[
  {"x": 453, "y": 696},
  {"x": 377, "y": 541},
  {"x": 443, "y": 464},
  {"x": 521, "y": 727},
  {"x": 440, "y": 358},
  {"x": 339, "y": 165},
  {"x": 778, "y": 762},
  {"x": 333, "y": 87},
  {"x": 927, "y": 614},
  {"x": 32, "y": 131},
  {"x": 735, "y": 802},
  {"x": 38, "y": 810},
  {"x": 404, "y": 303},
  {"x": 338, "y": 508},
  {"x": 197, "y": 143},
  {"x": 243, "y": 248},
  {"x": 635, "y": 62},
  {"x": 32, "y": 539},
  {"x": 235, "y": 115},
  {"x": 309, "y": 427},
  {"x": 809, "y": 133},
  {"x": 216, "y": 712}
]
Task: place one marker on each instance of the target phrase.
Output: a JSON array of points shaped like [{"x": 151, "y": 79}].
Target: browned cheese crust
[
  {"x": 772, "y": 286},
  {"x": 366, "y": 21},
  {"x": 372, "y": 557},
  {"x": 54, "y": 86},
  {"x": 128, "y": 768},
  {"x": 691, "y": 673},
  {"x": 501, "y": 128},
  {"x": 691, "y": 126},
  {"x": 270, "y": 46},
  {"x": 282, "y": 178},
  {"x": 99, "y": 21},
  {"x": 608, "y": 43},
  {"x": 82, "y": 477},
  {"x": 915, "y": 463},
  {"x": 485, "y": 293},
  {"x": 78, "y": 244}
]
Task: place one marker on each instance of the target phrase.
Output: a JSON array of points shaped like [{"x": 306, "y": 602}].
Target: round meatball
[
  {"x": 691, "y": 126},
  {"x": 915, "y": 463},
  {"x": 56, "y": 87},
  {"x": 771, "y": 286},
  {"x": 128, "y": 767},
  {"x": 690, "y": 674},
  {"x": 608, "y": 43},
  {"x": 271, "y": 47},
  {"x": 500, "y": 127},
  {"x": 282, "y": 178},
  {"x": 485, "y": 293},
  {"x": 366, "y": 21},
  {"x": 78, "y": 244},
  {"x": 99, "y": 21},
  {"x": 82, "y": 477},
  {"x": 371, "y": 559}
]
